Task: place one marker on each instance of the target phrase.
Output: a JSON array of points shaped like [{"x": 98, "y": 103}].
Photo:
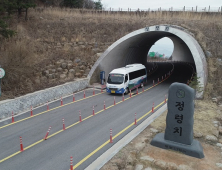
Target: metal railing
[{"x": 179, "y": 9}]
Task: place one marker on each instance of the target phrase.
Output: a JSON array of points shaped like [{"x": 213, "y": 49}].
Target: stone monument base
[{"x": 194, "y": 150}]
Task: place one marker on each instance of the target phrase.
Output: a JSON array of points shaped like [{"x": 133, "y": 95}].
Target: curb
[{"x": 106, "y": 156}]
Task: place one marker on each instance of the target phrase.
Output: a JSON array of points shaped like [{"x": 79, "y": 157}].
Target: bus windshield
[{"x": 115, "y": 78}]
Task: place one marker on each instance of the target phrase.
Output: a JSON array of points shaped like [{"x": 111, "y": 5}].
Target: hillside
[{"x": 58, "y": 45}]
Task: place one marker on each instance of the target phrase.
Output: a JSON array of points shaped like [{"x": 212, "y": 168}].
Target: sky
[
  {"x": 164, "y": 4},
  {"x": 163, "y": 46}
]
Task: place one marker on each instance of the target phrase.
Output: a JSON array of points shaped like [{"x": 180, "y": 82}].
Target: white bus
[{"x": 121, "y": 80}]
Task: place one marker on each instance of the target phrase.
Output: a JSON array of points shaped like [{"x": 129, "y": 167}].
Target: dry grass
[
  {"x": 205, "y": 114},
  {"x": 66, "y": 12},
  {"x": 34, "y": 46}
]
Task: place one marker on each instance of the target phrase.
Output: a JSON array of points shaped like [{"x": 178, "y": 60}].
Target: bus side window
[
  {"x": 131, "y": 76},
  {"x": 126, "y": 78}
]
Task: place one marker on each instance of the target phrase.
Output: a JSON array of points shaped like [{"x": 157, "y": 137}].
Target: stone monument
[{"x": 179, "y": 123}]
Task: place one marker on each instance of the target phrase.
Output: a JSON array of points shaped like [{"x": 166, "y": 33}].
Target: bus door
[{"x": 126, "y": 81}]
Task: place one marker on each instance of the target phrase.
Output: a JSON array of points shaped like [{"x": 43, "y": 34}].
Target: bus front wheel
[
  {"x": 141, "y": 85},
  {"x": 127, "y": 90}
]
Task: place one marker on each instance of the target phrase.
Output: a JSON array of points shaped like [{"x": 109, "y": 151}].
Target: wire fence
[{"x": 185, "y": 9}]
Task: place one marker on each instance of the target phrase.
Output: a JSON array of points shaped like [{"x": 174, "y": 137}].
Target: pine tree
[
  {"x": 98, "y": 5},
  {"x": 8, "y": 7},
  {"x": 21, "y": 5},
  {"x": 73, "y": 3},
  {"x": 4, "y": 31},
  {"x": 5, "y": 7},
  {"x": 195, "y": 84}
]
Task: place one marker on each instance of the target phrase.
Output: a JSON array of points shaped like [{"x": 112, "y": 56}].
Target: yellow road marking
[
  {"x": 104, "y": 144},
  {"x": 33, "y": 144},
  {"x": 48, "y": 111},
  {"x": 87, "y": 117},
  {"x": 12, "y": 155},
  {"x": 53, "y": 109},
  {"x": 92, "y": 153},
  {"x": 16, "y": 153}
]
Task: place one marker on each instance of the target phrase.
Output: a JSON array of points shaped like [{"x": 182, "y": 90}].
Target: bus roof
[{"x": 128, "y": 69}]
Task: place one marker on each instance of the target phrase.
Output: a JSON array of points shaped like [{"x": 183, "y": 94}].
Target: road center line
[
  {"x": 28, "y": 147},
  {"x": 48, "y": 111},
  {"x": 107, "y": 142},
  {"x": 56, "y": 107}
]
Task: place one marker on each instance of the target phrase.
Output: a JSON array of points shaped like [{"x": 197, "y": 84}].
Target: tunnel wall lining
[{"x": 113, "y": 57}]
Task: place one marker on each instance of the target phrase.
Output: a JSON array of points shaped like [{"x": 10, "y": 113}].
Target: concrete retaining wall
[{"x": 23, "y": 103}]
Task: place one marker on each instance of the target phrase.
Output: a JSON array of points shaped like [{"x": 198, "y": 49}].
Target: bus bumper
[{"x": 120, "y": 91}]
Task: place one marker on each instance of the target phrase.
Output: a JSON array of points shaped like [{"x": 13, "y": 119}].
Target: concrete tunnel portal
[{"x": 133, "y": 48}]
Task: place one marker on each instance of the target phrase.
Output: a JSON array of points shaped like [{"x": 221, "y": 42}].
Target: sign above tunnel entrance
[
  {"x": 167, "y": 28},
  {"x": 157, "y": 28}
]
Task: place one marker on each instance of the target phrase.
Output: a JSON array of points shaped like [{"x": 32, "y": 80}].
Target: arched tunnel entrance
[{"x": 133, "y": 48}]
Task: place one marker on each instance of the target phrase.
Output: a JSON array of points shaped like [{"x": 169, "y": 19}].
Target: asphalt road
[{"x": 80, "y": 139}]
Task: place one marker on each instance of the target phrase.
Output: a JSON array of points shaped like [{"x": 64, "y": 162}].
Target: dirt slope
[{"x": 75, "y": 37}]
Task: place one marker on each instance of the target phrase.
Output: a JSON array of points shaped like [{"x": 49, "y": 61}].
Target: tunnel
[{"x": 133, "y": 48}]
